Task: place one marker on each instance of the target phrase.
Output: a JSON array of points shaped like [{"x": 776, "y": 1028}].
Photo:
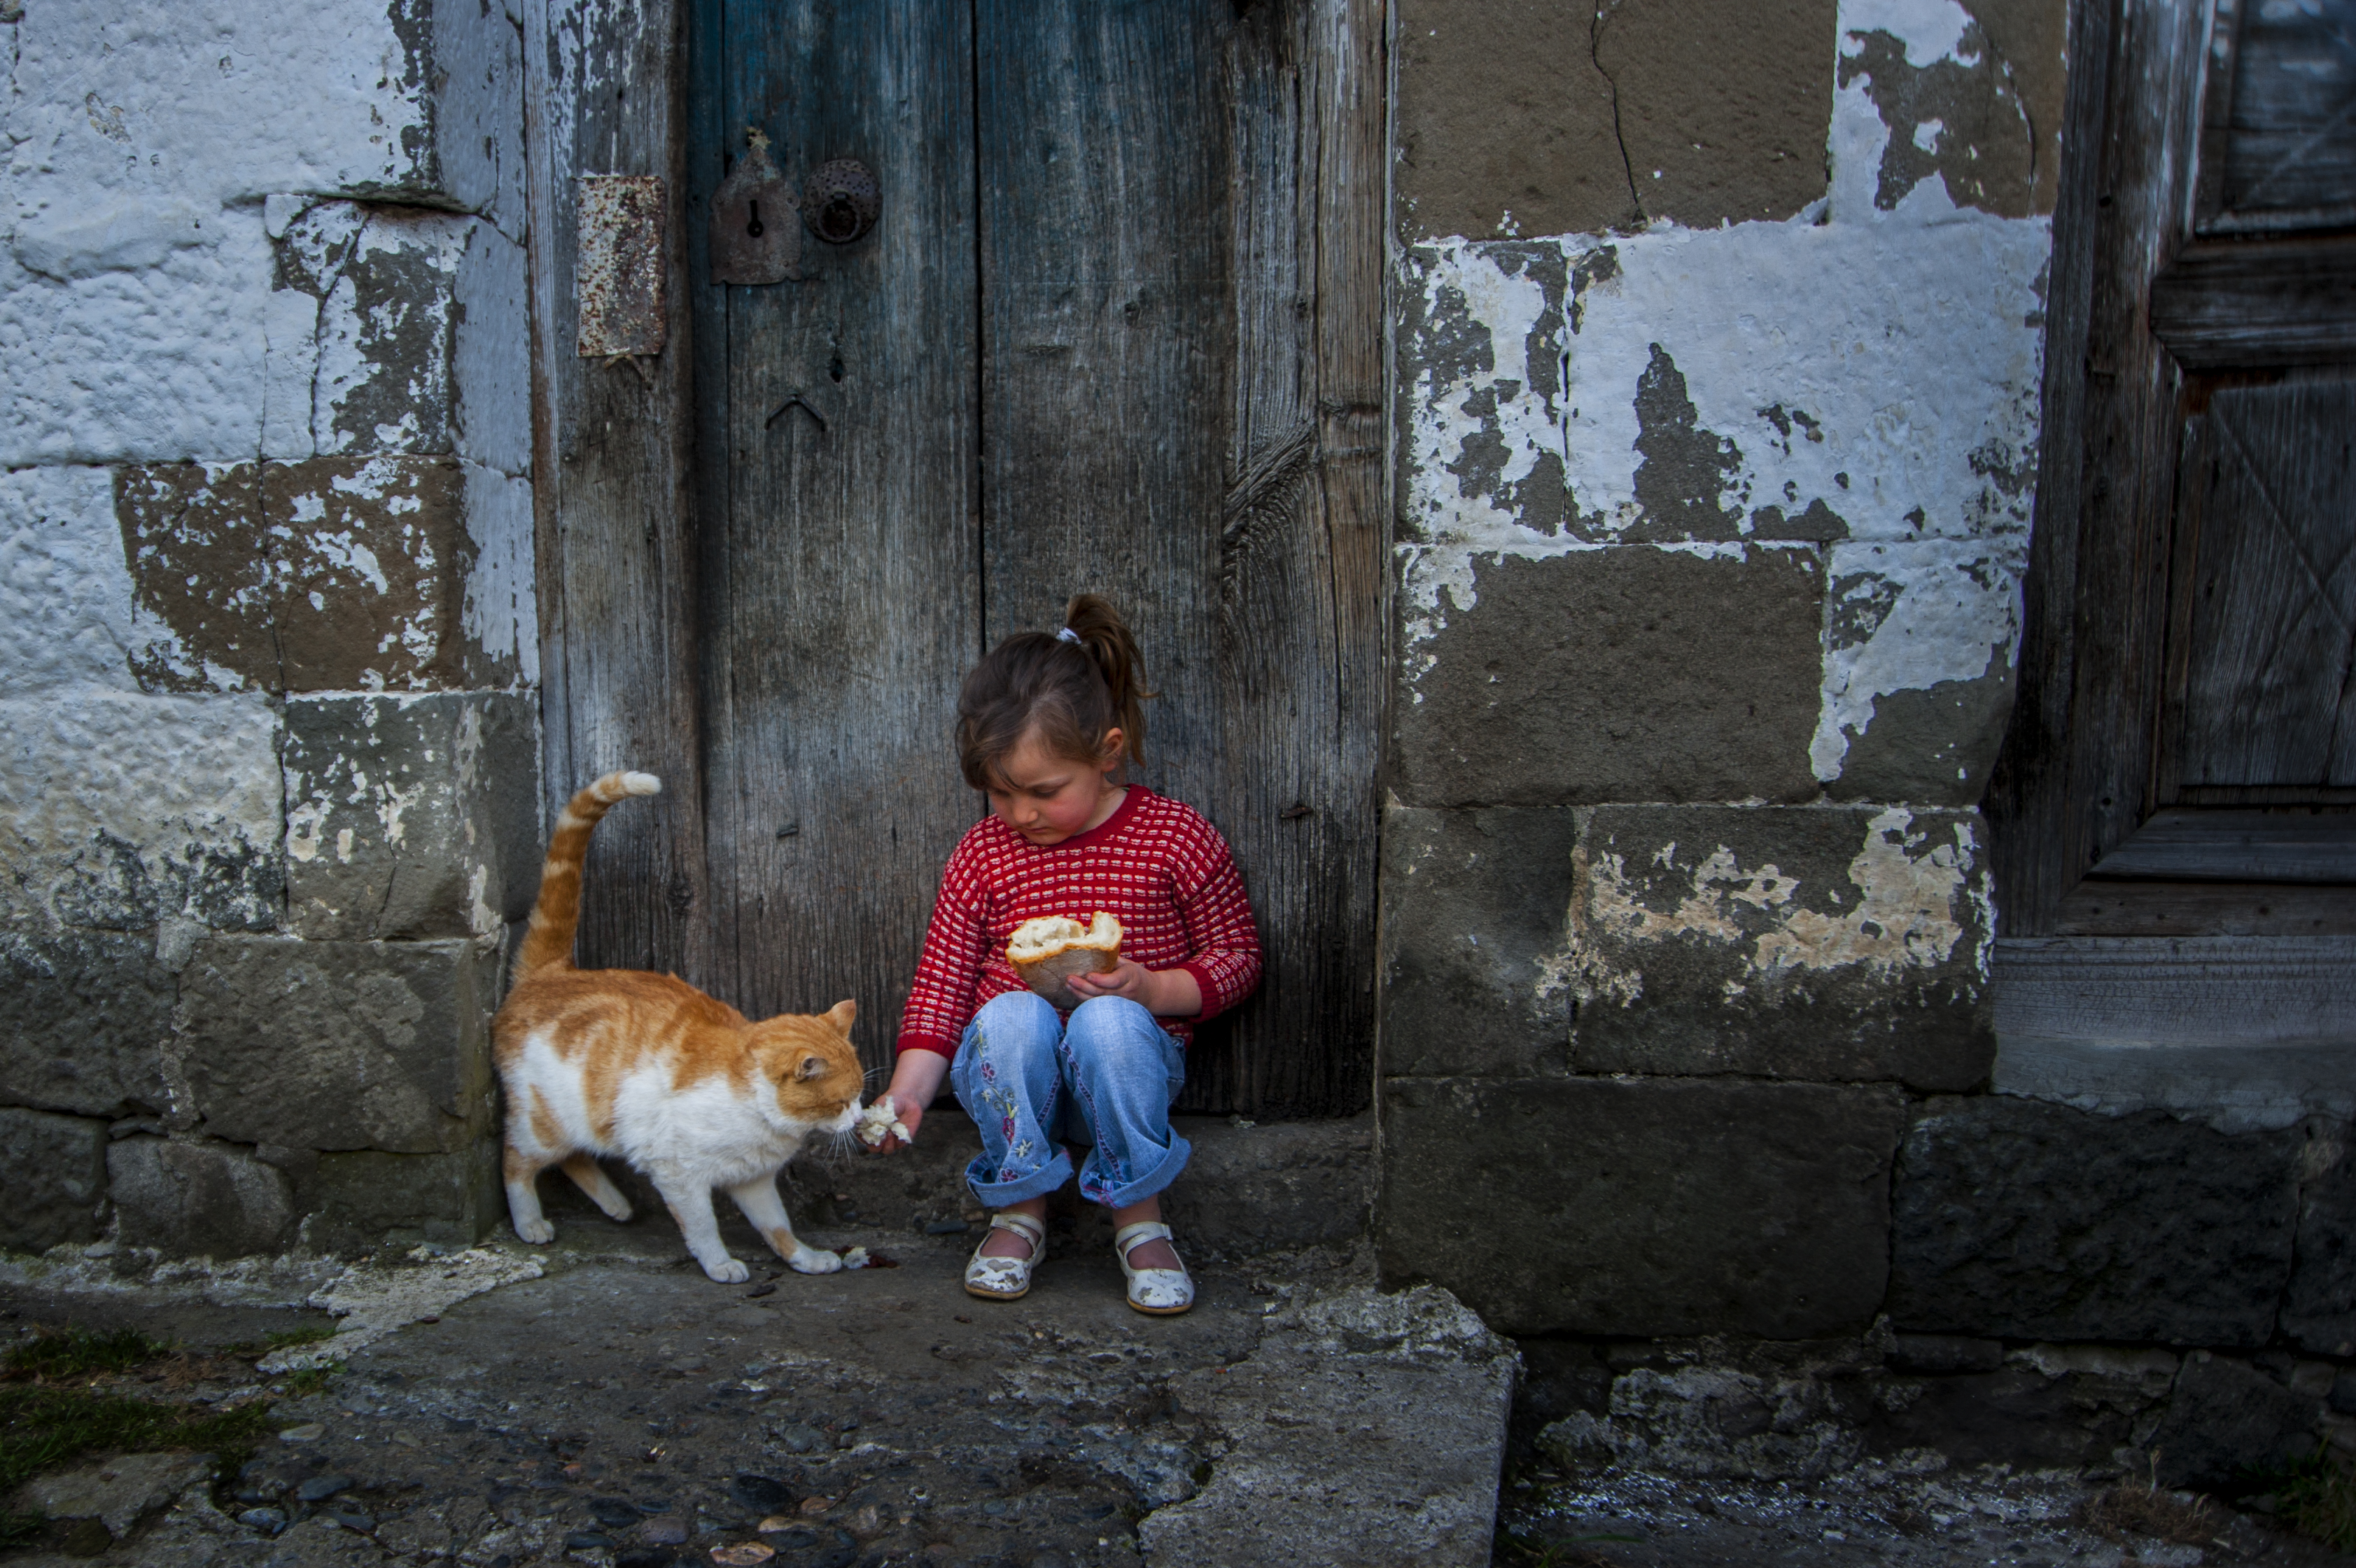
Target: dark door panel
[{"x": 1117, "y": 327}]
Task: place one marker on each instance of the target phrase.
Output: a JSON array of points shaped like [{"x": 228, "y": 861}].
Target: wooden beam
[{"x": 2225, "y": 305}]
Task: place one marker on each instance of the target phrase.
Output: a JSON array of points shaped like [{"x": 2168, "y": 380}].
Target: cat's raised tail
[{"x": 547, "y": 942}]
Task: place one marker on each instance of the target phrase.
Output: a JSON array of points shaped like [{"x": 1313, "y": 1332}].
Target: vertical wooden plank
[
  {"x": 840, "y": 591},
  {"x": 1182, "y": 364},
  {"x": 2078, "y": 774},
  {"x": 1108, "y": 342},
  {"x": 1302, "y": 579},
  {"x": 615, "y": 529}
]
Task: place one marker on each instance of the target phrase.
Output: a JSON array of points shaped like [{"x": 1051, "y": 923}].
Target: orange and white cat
[{"x": 617, "y": 1061}]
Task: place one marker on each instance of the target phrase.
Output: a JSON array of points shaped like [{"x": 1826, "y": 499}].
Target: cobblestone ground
[
  {"x": 621, "y": 1409},
  {"x": 625, "y": 1409}
]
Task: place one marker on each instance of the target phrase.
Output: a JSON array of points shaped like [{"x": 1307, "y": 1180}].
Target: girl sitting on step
[{"x": 1047, "y": 724}]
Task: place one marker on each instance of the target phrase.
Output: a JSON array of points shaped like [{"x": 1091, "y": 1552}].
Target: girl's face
[{"x": 1047, "y": 798}]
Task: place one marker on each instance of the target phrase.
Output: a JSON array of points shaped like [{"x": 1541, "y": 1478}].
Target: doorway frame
[{"x": 607, "y": 92}]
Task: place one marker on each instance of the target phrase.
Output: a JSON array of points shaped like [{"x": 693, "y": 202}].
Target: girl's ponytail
[
  {"x": 1069, "y": 687},
  {"x": 1105, "y": 638}
]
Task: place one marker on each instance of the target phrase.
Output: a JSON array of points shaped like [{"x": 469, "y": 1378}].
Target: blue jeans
[{"x": 1030, "y": 1081}]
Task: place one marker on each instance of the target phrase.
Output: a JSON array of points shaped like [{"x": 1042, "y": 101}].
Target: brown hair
[{"x": 1070, "y": 691}]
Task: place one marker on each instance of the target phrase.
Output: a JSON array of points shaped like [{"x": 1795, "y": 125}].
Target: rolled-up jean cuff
[
  {"x": 1137, "y": 1191},
  {"x": 998, "y": 1194}
]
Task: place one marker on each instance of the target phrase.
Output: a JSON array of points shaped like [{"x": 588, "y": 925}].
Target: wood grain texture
[
  {"x": 614, "y": 531},
  {"x": 839, "y": 602},
  {"x": 2078, "y": 774},
  {"x": 2246, "y": 303},
  {"x": 2239, "y": 847},
  {"x": 2106, "y": 908},
  {"x": 2266, "y": 511},
  {"x": 2027, "y": 802},
  {"x": 1179, "y": 396},
  {"x": 2190, "y": 991}
]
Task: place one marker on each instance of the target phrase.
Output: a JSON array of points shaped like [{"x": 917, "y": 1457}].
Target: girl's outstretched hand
[
  {"x": 887, "y": 1125},
  {"x": 916, "y": 1079}
]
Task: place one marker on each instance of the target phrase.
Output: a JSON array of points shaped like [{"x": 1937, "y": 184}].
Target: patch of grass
[
  {"x": 40, "y": 1427},
  {"x": 309, "y": 1334},
  {"x": 312, "y": 1380},
  {"x": 1566, "y": 1551},
  {"x": 2316, "y": 1497},
  {"x": 78, "y": 1352},
  {"x": 19, "y": 1529}
]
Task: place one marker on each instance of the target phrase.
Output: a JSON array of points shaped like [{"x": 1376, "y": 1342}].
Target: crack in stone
[{"x": 1619, "y": 136}]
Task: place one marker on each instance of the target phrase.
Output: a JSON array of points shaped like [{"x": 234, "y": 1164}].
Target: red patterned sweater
[{"x": 1162, "y": 869}]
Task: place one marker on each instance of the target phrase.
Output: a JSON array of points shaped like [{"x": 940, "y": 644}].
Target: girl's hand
[
  {"x": 909, "y": 1115},
  {"x": 916, "y": 1079},
  {"x": 1164, "y": 993}
]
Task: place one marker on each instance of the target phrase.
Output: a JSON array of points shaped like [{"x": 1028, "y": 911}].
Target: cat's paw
[
  {"x": 811, "y": 1261},
  {"x": 728, "y": 1272},
  {"x": 619, "y": 1212},
  {"x": 536, "y": 1231}
]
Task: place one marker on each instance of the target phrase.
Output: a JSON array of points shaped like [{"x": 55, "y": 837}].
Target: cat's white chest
[{"x": 707, "y": 1127}]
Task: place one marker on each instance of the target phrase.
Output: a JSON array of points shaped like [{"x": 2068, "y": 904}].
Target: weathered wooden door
[
  {"x": 1115, "y": 327},
  {"x": 2174, "y": 810}
]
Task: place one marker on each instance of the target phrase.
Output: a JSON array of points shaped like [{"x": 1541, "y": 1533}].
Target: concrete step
[
  {"x": 1248, "y": 1189},
  {"x": 1364, "y": 1429}
]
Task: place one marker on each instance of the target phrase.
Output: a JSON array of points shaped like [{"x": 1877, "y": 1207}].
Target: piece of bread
[{"x": 1049, "y": 950}]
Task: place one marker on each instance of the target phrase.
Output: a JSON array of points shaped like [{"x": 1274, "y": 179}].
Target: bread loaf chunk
[{"x": 1047, "y": 951}]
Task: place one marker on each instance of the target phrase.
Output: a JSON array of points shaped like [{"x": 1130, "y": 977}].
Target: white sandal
[
  {"x": 1006, "y": 1279},
  {"x": 1163, "y": 1292}
]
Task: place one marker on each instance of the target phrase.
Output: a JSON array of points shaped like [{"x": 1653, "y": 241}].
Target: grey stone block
[
  {"x": 1641, "y": 1209},
  {"x": 2023, "y": 1220},
  {"x": 1630, "y": 673},
  {"x": 1789, "y": 942},
  {"x": 53, "y": 1169},
  {"x": 410, "y": 818},
  {"x": 196, "y": 1200},
  {"x": 2318, "y": 1311},
  {"x": 1474, "y": 905},
  {"x": 1933, "y": 745},
  {"x": 338, "y": 1045},
  {"x": 83, "y": 1019},
  {"x": 365, "y": 1198},
  {"x": 2225, "y": 1417}
]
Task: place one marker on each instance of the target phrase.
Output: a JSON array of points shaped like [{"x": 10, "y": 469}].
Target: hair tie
[{"x": 1068, "y": 635}]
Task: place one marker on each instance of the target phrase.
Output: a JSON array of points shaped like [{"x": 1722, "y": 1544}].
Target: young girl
[{"x": 1046, "y": 727}]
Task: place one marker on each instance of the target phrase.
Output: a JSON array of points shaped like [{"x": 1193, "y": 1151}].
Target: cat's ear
[
  {"x": 842, "y": 1014},
  {"x": 812, "y": 1067}
]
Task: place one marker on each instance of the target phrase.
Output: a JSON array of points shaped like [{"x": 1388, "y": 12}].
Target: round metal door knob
[{"x": 839, "y": 201}]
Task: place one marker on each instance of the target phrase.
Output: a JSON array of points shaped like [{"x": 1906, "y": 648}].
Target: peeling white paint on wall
[
  {"x": 1860, "y": 376},
  {"x": 1909, "y": 899},
  {"x": 139, "y": 805},
  {"x": 502, "y": 608},
  {"x": 1909, "y": 616}
]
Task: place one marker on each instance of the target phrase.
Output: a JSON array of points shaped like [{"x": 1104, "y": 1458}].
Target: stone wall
[
  {"x": 268, "y": 736},
  {"x": 1718, "y": 360}
]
